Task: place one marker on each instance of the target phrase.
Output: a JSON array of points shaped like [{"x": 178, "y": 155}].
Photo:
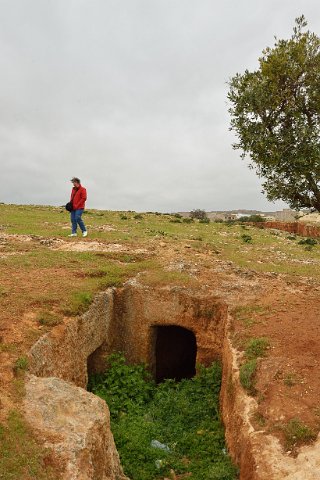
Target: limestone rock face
[
  {"x": 64, "y": 351},
  {"x": 75, "y": 424}
]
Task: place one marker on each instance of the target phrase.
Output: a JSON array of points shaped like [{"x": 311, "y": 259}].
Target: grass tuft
[{"x": 247, "y": 376}]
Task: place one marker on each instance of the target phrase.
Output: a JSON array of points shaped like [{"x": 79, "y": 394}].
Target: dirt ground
[{"x": 285, "y": 311}]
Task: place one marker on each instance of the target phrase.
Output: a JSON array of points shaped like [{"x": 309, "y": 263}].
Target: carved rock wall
[
  {"x": 137, "y": 310},
  {"x": 64, "y": 351}
]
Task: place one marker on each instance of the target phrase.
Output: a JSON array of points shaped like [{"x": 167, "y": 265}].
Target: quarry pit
[{"x": 140, "y": 321}]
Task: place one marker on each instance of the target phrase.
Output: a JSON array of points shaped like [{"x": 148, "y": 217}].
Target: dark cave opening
[{"x": 175, "y": 353}]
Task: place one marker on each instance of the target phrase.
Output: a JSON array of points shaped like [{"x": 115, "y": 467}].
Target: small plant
[
  {"x": 247, "y": 376},
  {"x": 246, "y": 238},
  {"x": 80, "y": 302},
  {"x": 21, "y": 364},
  {"x": 290, "y": 379},
  {"x": 260, "y": 419},
  {"x": 187, "y": 220},
  {"x": 308, "y": 241},
  {"x": 204, "y": 220},
  {"x": 297, "y": 433},
  {"x": 291, "y": 237},
  {"x": 175, "y": 220},
  {"x": 48, "y": 319},
  {"x": 123, "y": 217},
  {"x": 256, "y": 347},
  {"x": 177, "y": 215},
  {"x": 138, "y": 216}
]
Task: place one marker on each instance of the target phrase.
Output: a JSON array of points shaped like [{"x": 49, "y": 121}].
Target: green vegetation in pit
[{"x": 170, "y": 427}]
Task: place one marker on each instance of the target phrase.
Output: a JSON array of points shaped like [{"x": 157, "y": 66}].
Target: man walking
[{"x": 78, "y": 198}]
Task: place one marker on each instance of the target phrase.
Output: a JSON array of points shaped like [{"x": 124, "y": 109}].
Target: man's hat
[{"x": 75, "y": 179}]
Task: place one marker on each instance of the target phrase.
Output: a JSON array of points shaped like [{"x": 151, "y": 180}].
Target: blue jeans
[{"x": 77, "y": 220}]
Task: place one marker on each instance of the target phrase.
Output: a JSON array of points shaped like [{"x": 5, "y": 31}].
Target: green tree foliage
[
  {"x": 275, "y": 112},
  {"x": 198, "y": 213}
]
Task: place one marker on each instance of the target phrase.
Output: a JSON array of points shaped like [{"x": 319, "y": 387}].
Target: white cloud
[{"x": 131, "y": 97}]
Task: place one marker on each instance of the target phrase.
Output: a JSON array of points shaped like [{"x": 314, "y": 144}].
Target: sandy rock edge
[{"x": 259, "y": 455}]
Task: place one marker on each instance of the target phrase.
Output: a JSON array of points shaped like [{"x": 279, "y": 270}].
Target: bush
[
  {"x": 188, "y": 220},
  {"x": 252, "y": 218},
  {"x": 21, "y": 365},
  {"x": 204, "y": 220},
  {"x": 198, "y": 213},
  {"x": 246, "y": 238},
  {"x": 138, "y": 216},
  {"x": 297, "y": 433},
  {"x": 308, "y": 241},
  {"x": 247, "y": 376},
  {"x": 256, "y": 347}
]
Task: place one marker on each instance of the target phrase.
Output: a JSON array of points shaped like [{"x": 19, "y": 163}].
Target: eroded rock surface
[
  {"x": 64, "y": 351},
  {"x": 75, "y": 424}
]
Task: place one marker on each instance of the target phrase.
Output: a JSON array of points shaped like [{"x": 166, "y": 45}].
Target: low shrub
[
  {"x": 308, "y": 241},
  {"x": 297, "y": 433},
  {"x": 48, "y": 319},
  {"x": 247, "y": 375},
  {"x": 252, "y": 218},
  {"x": 256, "y": 347},
  {"x": 21, "y": 365},
  {"x": 246, "y": 238}
]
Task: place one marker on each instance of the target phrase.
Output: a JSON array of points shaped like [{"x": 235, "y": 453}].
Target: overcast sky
[{"x": 130, "y": 96}]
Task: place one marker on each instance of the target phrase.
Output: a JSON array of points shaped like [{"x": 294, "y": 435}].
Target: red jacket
[{"x": 78, "y": 197}]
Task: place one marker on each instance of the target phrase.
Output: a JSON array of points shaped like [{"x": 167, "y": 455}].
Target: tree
[
  {"x": 198, "y": 213},
  {"x": 275, "y": 113}
]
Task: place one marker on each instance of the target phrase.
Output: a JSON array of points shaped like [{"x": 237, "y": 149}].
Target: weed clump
[
  {"x": 256, "y": 347},
  {"x": 49, "y": 319},
  {"x": 172, "y": 427},
  {"x": 308, "y": 241},
  {"x": 21, "y": 364},
  {"x": 297, "y": 433},
  {"x": 246, "y": 238},
  {"x": 247, "y": 375}
]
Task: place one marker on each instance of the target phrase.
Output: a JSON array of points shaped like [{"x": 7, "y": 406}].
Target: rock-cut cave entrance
[{"x": 175, "y": 353}]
